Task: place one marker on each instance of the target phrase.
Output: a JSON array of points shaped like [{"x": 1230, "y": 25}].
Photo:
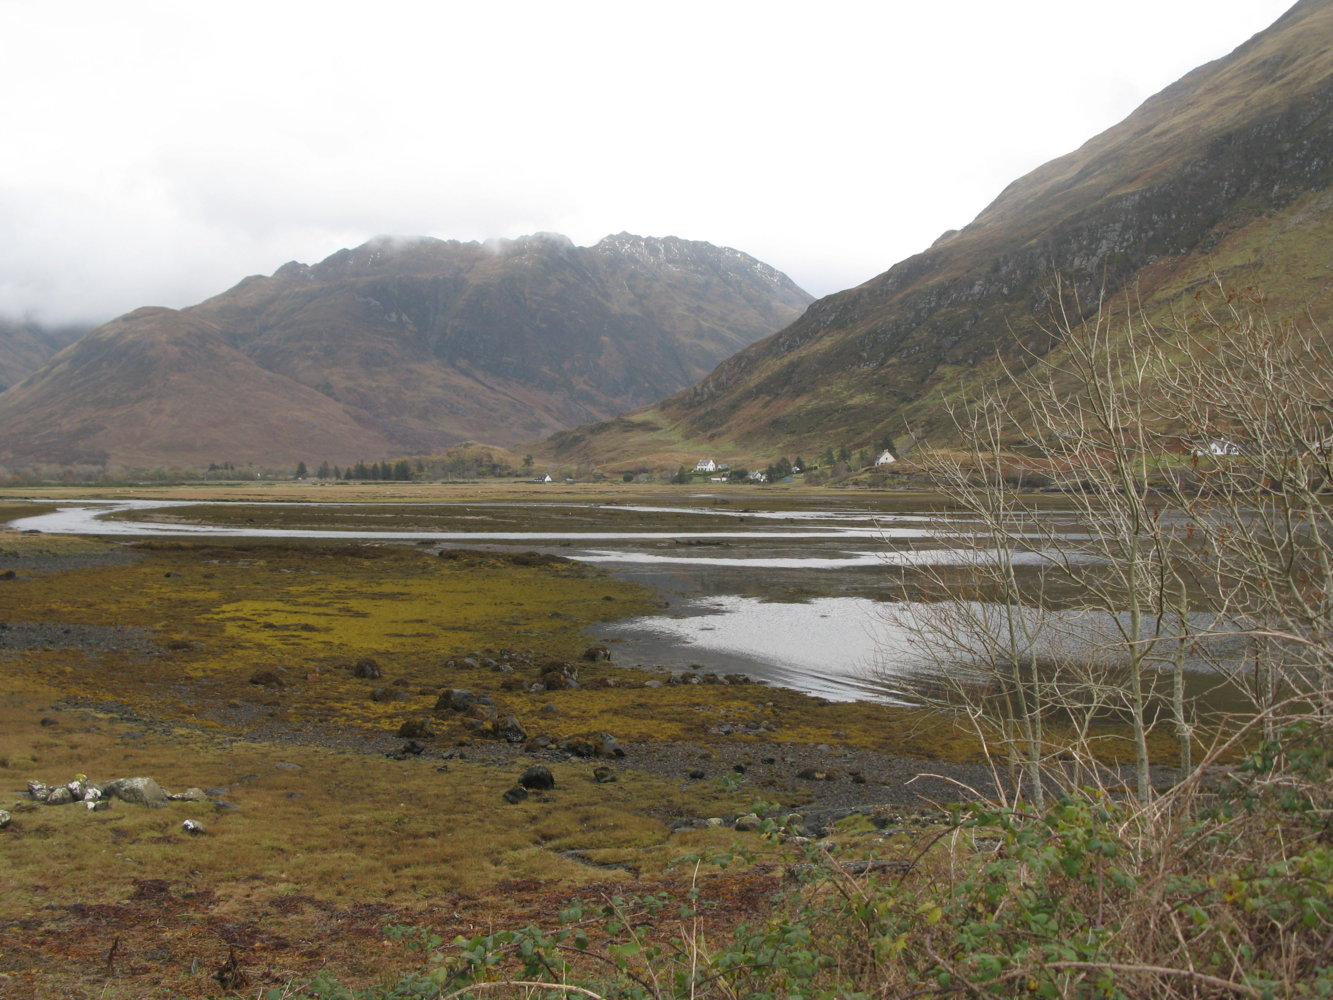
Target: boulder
[
  {"x": 559, "y": 676},
  {"x": 266, "y": 678},
  {"x": 516, "y": 795},
  {"x": 138, "y": 791},
  {"x": 606, "y": 745},
  {"x": 5, "y": 819},
  {"x": 193, "y": 826},
  {"x": 189, "y": 795},
  {"x": 538, "y": 777},
  {"x": 509, "y": 729},
  {"x": 603, "y": 775},
  {"x": 481, "y": 710},
  {"x": 59, "y": 796},
  {"x": 417, "y": 729},
  {"x": 747, "y": 823},
  {"x": 456, "y": 700},
  {"x": 594, "y": 653},
  {"x": 367, "y": 668}
]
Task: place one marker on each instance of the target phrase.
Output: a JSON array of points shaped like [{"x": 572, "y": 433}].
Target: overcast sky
[{"x": 157, "y": 151}]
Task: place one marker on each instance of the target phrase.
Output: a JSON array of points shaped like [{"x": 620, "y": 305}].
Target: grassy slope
[{"x": 1220, "y": 177}]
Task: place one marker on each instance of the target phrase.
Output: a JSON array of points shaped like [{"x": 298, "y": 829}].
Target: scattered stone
[
  {"x": 595, "y": 653},
  {"x": 389, "y": 694},
  {"x": 509, "y": 729},
  {"x": 48, "y": 721},
  {"x": 557, "y": 676},
  {"x": 59, "y": 796},
  {"x": 417, "y": 729},
  {"x": 367, "y": 668},
  {"x": 409, "y": 749},
  {"x": 516, "y": 795},
  {"x": 697, "y": 774},
  {"x": 603, "y": 775},
  {"x": 286, "y": 765},
  {"x": 266, "y": 678},
  {"x": 5, "y": 819},
  {"x": 537, "y": 777},
  {"x": 194, "y": 827},
  {"x": 548, "y": 710},
  {"x": 814, "y": 774},
  {"x": 606, "y": 745},
  {"x": 483, "y": 711},
  {"x": 578, "y": 746},
  {"x": 455, "y": 700},
  {"x": 747, "y": 823},
  {"x": 8, "y": 574},
  {"x": 189, "y": 795}
]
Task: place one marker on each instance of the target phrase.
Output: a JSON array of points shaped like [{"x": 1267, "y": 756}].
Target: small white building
[
  {"x": 758, "y": 477},
  {"x": 545, "y": 478},
  {"x": 1219, "y": 447},
  {"x": 706, "y": 465},
  {"x": 886, "y": 457}
]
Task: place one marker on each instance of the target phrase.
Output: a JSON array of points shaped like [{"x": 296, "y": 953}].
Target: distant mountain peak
[{"x": 402, "y": 345}]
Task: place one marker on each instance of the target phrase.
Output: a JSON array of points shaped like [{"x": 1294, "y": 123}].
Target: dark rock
[
  {"x": 603, "y": 775},
  {"x": 697, "y": 774},
  {"x": 266, "y": 678},
  {"x": 417, "y": 729},
  {"x": 367, "y": 668},
  {"x": 595, "y": 653},
  {"x": 48, "y": 721},
  {"x": 516, "y": 795},
  {"x": 409, "y": 749},
  {"x": 456, "y": 700},
  {"x": 509, "y": 729},
  {"x": 389, "y": 694},
  {"x": 578, "y": 746},
  {"x": 484, "y": 712},
  {"x": 606, "y": 745},
  {"x": 537, "y": 777},
  {"x": 8, "y": 574}
]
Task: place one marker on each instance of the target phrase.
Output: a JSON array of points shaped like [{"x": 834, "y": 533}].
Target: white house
[
  {"x": 706, "y": 465},
  {"x": 544, "y": 478},
  {"x": 886, "y": 457},
  {"x": 1219, "y": 447}
]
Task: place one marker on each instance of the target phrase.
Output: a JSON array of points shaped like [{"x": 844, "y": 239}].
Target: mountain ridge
[
  {"x": 399, "y": 346},
  {"x": 1223, "y": 174}
]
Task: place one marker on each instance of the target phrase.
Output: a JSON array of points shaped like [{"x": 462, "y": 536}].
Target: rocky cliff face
[
  {"x": 402, "y": 346},
  {"x": 1226, "y": 173}
]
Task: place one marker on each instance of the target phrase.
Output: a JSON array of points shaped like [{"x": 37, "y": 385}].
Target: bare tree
[{"x": 1191, "y": 471}]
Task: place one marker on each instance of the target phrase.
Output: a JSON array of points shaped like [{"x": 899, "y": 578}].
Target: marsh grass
[{"x": 330, "y": 840}]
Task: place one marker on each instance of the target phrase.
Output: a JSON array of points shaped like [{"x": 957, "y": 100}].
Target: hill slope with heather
[
  {"x": 398, "y": 347},
  {"x": 1222, "y": 177}
]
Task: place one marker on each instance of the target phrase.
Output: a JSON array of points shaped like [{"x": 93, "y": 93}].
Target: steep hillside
[
  {"x": 1225, "y": 174},
  {"x": 25, "y": 346},
  {"x": 399, "y": 346}
]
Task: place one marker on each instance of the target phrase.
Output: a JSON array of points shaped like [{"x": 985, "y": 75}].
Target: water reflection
[{"x": 797, "y": 597}]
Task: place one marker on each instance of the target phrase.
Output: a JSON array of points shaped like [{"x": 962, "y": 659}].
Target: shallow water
[{"x": 809, "y": 597}]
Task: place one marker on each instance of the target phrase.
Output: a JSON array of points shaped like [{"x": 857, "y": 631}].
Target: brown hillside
[{"x": 1225, "y": 174}]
